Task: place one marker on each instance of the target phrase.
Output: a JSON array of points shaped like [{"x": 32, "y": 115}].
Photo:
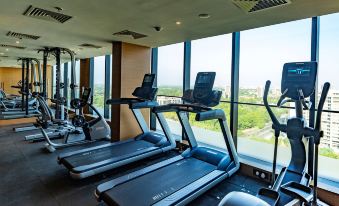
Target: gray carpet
[{"x": 31, "y": 176}]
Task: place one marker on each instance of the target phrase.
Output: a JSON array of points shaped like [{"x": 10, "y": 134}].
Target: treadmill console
[
  {"x": 86, "y": 94},
  {"x": 299, "y": 79},
  {"x": 203, "y": 92},
  {"x": 146, "y": 91}
]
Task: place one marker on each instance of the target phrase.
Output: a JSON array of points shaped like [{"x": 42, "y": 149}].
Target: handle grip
[
  {"x": 269, "y": 110},
  {"x": 322, "y": 100}
]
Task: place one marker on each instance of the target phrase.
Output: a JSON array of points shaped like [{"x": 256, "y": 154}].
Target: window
[
  {"x": 328, "y": 72},
  {"x": 110, "y": 87},
  {"x": 99, "y": 83},
  {"x": 77, "y": 72},
  {"x": 212, "y": 54},
  {"x": 170, "y": 80},
  {"x": 263, "y": 52}
]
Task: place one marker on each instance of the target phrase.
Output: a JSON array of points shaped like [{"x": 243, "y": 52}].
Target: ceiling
[{"x": 95, "y": 21}]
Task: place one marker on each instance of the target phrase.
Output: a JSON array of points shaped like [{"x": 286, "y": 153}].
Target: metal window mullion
[
  {"x": 235, "y": 85},
  {"x": 91, "y": 78},
  {"x": 154, "y": 70},
  {"x": 107, "y": 84},
  {"x": 314, "y": 97},
  {"x": 66, "y": 83},
  {"x": 187, "y": 66},
  {"x": 186, "y": 74}
]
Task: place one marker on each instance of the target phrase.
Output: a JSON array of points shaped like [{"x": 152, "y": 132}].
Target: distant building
[
  {"x": 260, "y": 92},
  {"x": 227, "y": 93},
  {"x": 330, "y": 121},
  {"x": 162, "y": 100}
]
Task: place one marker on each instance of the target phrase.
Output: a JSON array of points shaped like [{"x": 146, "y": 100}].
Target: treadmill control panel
[
  {"x": 203, "y": 85},
  {"x": 299, "y": 79},
  {"x": 146, "y": 91}
]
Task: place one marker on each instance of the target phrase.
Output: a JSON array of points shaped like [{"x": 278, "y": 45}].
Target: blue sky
[{"x": 263, "y": 52}]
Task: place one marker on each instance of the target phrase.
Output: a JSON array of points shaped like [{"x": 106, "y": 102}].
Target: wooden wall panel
[
  {"x": 136, "y": 61},
  {"x": 11, "y": 76},
  {"x": 84, "y": 77},
  {"x": 129, "y": 67}
]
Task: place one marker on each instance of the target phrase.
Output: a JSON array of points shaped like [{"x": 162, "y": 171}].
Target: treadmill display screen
[
  {"x": 85, "y": 94},
  {"x": 204, "y": 79},
  {"x": 148, "y": 79}
]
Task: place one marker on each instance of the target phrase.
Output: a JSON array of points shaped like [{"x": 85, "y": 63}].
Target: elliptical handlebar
[
  {"x": 323, "y": 97},
  {"x": 274, "y": 119}
]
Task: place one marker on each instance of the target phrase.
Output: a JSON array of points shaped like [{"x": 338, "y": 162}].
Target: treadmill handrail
[
  {"x": 144, "y": 104},
  {"x": 195, "y": 108},
  {"x": 210, "y": 115},
  {"x": 123, "y": 101}
]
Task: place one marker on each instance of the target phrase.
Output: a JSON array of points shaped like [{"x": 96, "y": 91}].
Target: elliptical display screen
[
  {"x": 298, "y": 72},
  {"x": 299, "y": 77}
]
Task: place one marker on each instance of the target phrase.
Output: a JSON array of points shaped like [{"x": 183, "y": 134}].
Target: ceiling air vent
[
  {"x": 258, "y": 5},
  {"x": 92, "y": 46},
  {"x": 46, "y": 15},
  {"x": 22, "y": 36},
  {"x": 12, "y": 46},
  {"x": 135, "y": 35}
]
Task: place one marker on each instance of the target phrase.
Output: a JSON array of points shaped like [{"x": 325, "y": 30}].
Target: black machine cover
[
  {"x": 146, "y": 91},
  {"x": 298, "y": 76},
  {"x": 203, "y": 92}
]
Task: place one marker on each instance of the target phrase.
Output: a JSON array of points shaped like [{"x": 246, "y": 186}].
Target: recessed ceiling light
[
  {"x": 18, "y": 42},
  {"x": 2, "y": 53},
  {"x": 7, "y": 49},
  {"x": 204, "y": 16},
  {"x": 178, "y": 22}
]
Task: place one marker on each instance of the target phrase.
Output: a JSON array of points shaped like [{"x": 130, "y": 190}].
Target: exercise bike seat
[{"x": 241, "y": 199}]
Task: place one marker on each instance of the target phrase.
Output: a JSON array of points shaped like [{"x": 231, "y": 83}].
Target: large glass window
[
  {"x": 77, "y": 72},
  {"x": 212, "y": 54},
  {"x": 328, "y": 72},
  {"x": 99, "y": 83},
  {"x": 263, "y": 52},
  {"x": 170, "y": 80}
]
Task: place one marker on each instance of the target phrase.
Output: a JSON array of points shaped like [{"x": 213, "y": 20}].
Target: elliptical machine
[
  {"x": 293, "y": 182},
  {"x": 93, "y": 130}
]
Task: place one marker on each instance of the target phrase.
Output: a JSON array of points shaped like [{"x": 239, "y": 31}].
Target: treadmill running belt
[
  {"x": 105, "y": 153},
  {"x": 159, "y": 183}
]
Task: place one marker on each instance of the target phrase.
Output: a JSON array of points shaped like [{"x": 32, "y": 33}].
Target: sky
[{"x": 263, "y": 52}]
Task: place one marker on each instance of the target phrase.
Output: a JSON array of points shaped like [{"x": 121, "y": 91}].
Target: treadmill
[
  {"x": 90, "y": 161},
  {"x": 179, "y": 180}
]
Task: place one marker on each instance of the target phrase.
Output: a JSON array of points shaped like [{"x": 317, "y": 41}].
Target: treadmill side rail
[{"x": 110, "y": 184}]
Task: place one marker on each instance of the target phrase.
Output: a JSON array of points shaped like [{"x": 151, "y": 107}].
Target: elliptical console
[{"x": 299, "y": 77}]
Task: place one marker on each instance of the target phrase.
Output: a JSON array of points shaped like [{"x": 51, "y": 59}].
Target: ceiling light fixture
[
  {"x": 178, "y": 22},
  {"x": 204, "y": 16},
  {"x": 2, "y": 53},
  {"x": 7, "y": 49},
  {"x": 18, "y": 42}
]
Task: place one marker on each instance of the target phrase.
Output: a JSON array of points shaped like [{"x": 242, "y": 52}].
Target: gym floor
[{"x": 31, "y": 176}]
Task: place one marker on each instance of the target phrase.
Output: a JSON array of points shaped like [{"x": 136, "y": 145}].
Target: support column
[
  {"x": 129, "y": 64},
  {"x": 84, "y": 77}
]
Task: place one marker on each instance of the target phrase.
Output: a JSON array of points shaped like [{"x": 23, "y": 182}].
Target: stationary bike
[
  {"x": 92, "y": 130},
  {"x": 293, "y": 182}
]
